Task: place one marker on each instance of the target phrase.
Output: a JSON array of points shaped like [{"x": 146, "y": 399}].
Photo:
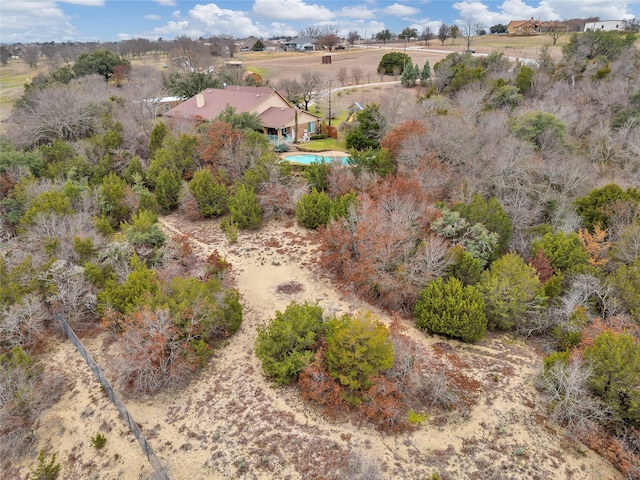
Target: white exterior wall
[{"x": 606, "y": 25}]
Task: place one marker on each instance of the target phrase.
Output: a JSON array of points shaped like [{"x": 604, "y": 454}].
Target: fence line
[{"x": 160, "y": 472}]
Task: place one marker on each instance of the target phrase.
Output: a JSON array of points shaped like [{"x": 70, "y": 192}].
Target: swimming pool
[{"x": 309, "y": 158}]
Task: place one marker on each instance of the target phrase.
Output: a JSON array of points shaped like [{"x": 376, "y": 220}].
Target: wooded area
[{"x": 495, "y": 198}]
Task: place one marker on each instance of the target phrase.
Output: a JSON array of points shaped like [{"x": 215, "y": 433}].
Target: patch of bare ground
[{"x": 230, "y": 422}]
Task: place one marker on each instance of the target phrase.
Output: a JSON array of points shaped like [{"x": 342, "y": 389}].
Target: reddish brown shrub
[
  {"x": 542, "y": 264},
  {"x": 614, "y": 450},
  {"x": 316, "y": 385}
]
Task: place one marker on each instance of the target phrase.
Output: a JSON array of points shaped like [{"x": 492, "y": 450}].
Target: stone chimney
[{"x": 199, "y": 100}]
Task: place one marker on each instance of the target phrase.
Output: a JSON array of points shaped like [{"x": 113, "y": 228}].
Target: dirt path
[{"x": 231, "y": 423}]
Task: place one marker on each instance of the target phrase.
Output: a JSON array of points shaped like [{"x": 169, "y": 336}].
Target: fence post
[{"x": 159, "y": 470}]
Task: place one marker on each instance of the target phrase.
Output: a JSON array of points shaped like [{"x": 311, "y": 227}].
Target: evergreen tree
[
  {"x": 168, "y": 186},
  {"x": 244, "y": 207},
  {"x": 449, "y": 308},
  {"x": 358, "y": 348}
]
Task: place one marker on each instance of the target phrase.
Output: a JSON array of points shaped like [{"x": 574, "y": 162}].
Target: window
[{"x": 312, "y": 127}]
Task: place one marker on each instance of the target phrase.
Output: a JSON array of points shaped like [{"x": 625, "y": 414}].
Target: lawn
[{"x": 325, "y": 144}]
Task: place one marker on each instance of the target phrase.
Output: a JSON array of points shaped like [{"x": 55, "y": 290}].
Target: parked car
[
  {"x": 469, "y": 50},
  {"x": 340, "y": 47}
]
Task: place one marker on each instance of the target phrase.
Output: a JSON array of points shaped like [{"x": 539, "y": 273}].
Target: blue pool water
[{"x": 309, "y": 158}]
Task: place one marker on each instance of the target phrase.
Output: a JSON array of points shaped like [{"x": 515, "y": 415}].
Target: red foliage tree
[
  {"x": 381, "y": 250},
  {"x": 219, "y": 143},
  {"x": 405, "y": 144},
  {"x": 542, "y": 265}
]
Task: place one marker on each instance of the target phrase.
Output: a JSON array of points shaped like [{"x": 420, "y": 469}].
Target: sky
[{"x": 26, "y": 21}]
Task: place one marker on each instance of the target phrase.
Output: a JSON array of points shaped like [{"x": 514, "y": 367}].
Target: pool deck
[{"x": 324, "y": 153}]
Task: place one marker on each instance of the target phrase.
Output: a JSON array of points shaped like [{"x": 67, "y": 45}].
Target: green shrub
[
  {"x": 51, "y": 202},
  {"x": 158, "y": 134},
  {"x": 143, "y": 230},
  {"x": 32, "y": 161},
  {"x": 46, "y": 469},
  {"x": 245, "y": 209},
  {"x": 358, "y": 348},
  {"x": 626, "y": 280},
  {"x": 564, "y": 250},
  {"x": 317, "y": 174},
  {"x": 512, "y": 292},
  {"x": 492, "y": 215},
  {"x": 556, "y": 357},
  {"x": 463, "y": 265},
  {"x": 202, "y": 309},
  {"x": 368, "y": 130},
  {"x": 524, "y": 79},
  {"x": 130, "y": 294},
  {"x": 111, "y": 200},
  {"x": 598, "y": 207},
  {"x": 168, "y": 186},
  {"x": 289, "y": 341},
  {"x": 475, "y": 238},
  {"x": 615, "y": 360},
  {"x": 99, "y": 441},
  {"x": 537, "y": 128},
  {"x": 378, "y": 160},
  {"x": 449, "y": 308},
  {"x": 212, "y": 197},
  {"x": 83, "y": 247},
  {"x": 313, "y": 210},
  {"x": 230, "y": 228},
  {"x": 393, "y": 60}
]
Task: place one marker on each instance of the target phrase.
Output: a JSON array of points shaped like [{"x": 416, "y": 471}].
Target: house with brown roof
[
  {"x": 282, "y": 123},
  {"x": 524, "y": 27}
]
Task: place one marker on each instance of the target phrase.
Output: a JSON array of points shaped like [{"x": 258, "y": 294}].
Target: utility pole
[{"x": 329, "y": 102}]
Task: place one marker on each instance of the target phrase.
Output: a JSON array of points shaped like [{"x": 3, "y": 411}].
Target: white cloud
[
  {"x": 478, "y": 12},
  {"x": 291, "y": 10},
  {"x": 359, "y": 12},
  {"x": 207, "y": 20},
  {"x": 166, "y": 3},
  {"x": 605, "y": 9},
  {"x": 153, "y": 16},
  {"x": 86, "y": 3},
  {"x": 397, "y": 10},
  {"x": 29, "y": 21}
]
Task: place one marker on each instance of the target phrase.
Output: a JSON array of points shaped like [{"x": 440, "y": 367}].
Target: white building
[{"x": 606, "y": 25}]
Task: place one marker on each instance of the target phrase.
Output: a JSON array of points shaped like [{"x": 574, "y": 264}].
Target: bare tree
[
  {"x": 443, "y": 33},
  {"x": 353, "y": 37},
  {"x": 31, "y": 55},
  {"x": 557, "y": 30},
  {"x": 291, "y": 89},
  {"x": 311, "y": 84},
  {"x": 427, "y": 35},
  {"x": 311, "y": 31},
  {"x": 140, "y": 109},
  {"x": 328, "y": 41},
  {"x": 189, "y": 55},
  {"x": 357, "y": 73},
  {"x": 454, "y": 31},
  {"x": 568, "y": 390},
  {"x": 23, "y": 323},
  {"x": 60, "y": 112},
  {"x": 470, "y": 30},
  {"x": 342, "y": 76}
]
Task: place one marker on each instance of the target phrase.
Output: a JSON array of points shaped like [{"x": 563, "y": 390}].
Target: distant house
[
  {"x": 282, "y": 123},
  {"x": 301, "y": 44},
  {"x": 607, "y": 25},
  {"x": 524, "y": 27},
  {"x": 248, "y": 43},
  {"x": 553, "y": 26}
]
